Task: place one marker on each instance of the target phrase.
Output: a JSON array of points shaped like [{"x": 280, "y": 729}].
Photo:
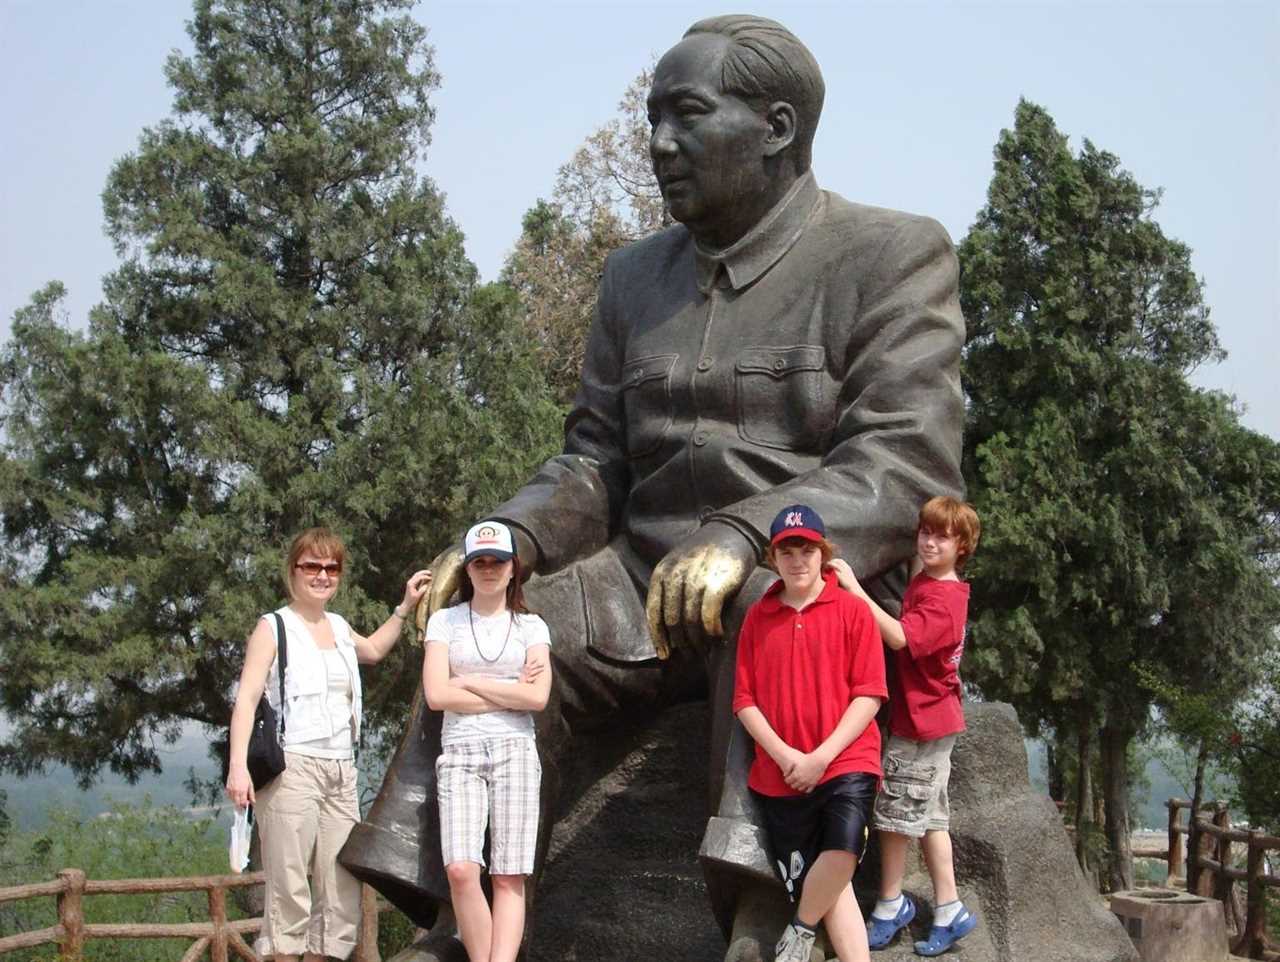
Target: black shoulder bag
[{"x": 265, "y": 758}]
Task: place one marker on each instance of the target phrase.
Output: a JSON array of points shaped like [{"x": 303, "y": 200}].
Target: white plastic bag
[{"x": 241, "y": 832}]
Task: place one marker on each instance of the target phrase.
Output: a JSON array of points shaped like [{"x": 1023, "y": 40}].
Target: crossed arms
[{"x": 475, "y": 695}]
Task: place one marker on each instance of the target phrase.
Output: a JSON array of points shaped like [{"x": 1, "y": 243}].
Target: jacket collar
[{"x": 745, "y": 260}]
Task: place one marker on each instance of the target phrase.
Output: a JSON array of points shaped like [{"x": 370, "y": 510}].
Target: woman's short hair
[
  {"x": 956, "y": 519},
  {"x": 826, "y": 547},
  {"x": 320, "y": 542}
]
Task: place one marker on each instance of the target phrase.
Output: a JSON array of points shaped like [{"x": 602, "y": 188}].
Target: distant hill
[
  {"x": 31, "y": 799},
  {"x": 1161, "y": 786}
]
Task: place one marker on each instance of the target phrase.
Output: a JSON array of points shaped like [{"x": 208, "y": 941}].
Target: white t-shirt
[{"x": 492, "y": 646}]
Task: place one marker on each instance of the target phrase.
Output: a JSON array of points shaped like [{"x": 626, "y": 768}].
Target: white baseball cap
[{"x": 491, "y": 538}]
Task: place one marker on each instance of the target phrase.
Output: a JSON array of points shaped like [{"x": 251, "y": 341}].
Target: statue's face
[{"x": 706, "y": 146}]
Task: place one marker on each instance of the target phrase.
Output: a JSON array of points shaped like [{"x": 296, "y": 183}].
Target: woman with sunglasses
[
  {"x": 305, "y": 814},
  {"x": 488, "y": 668}
]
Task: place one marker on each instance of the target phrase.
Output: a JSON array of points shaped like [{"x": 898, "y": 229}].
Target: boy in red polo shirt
[
  {"x": 810, "y": 678},
  {"x": 924, "y": 719}
]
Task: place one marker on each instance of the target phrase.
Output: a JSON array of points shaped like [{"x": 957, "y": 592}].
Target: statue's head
[{"x": 733, "y": 109}]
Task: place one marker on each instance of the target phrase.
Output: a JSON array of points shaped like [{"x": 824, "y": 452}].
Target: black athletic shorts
[{"x": 835, "y": 815}]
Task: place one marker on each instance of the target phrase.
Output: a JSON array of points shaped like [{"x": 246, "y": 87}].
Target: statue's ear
[{"x": 781, "y": 117}]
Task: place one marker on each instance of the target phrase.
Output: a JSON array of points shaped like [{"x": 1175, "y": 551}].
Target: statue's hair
[{"x": 765, "y": 63}]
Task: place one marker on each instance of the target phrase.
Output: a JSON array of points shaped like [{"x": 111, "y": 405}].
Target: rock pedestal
[
  {"x": 1014, "y": 863},
  {"x": 623, "y": 883}
]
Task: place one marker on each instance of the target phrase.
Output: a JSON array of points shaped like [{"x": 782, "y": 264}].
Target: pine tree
[
  {"x": 294, "y": 337},
  {"x": 1129, "y": 518}
]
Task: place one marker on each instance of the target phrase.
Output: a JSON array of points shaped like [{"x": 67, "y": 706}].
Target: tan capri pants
[{"x": 304, "y": 817}]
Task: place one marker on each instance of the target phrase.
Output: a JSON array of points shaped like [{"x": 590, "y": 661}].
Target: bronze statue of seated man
[{"x": 778, "y": 345}]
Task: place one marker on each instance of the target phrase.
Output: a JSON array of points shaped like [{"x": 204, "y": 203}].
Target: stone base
[
  {"x": 1171, "y": 926},
  {"x": 1014, "y": 863}
]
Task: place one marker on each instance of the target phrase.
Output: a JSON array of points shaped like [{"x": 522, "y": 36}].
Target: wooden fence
[
  {"x": 219, "y": 937},
  {"x": 1210, "y": 872}
]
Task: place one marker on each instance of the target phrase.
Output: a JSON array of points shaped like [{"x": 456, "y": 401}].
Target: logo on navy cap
[{"x": 797, "y": 521}]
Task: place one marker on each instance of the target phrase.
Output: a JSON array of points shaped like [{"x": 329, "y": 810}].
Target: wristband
[{"x": 397, "y": 613}]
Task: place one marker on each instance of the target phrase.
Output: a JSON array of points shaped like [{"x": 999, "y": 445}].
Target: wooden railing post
[
  {"x": 1204, "y": 844},
  {"x": 71, "y": 915},
  {"x": 367, "y": 943},
  {"x": 1251, "y": 939},
  {"x": 1223, "y": 883},
  {"x": 218, "y": 916},
  {"x": 1175, "y": 842}
]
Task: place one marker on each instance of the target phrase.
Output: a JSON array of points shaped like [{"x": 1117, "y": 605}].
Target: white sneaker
[{"x": 796, "y": 945}]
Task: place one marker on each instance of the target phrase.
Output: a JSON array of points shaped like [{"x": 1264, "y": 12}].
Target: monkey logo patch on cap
[{"x": 491, "y": 538}]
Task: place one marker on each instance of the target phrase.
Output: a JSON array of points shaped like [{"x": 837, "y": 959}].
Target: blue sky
[{"x": 1186, "y": 94}]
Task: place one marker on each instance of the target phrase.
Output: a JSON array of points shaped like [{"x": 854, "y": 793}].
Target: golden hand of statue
[
  {"x": 690, "y": 586},
  {"x": 446, "y": 572}
]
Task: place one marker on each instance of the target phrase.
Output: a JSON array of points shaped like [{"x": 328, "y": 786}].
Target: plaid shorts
[{"x": 494, "y": 783}]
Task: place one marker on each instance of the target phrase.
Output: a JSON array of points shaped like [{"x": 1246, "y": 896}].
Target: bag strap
[{"x": 282, "y": 653}]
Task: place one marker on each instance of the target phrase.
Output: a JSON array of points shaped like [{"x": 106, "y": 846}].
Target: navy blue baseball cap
[{"x": 797, "y": 521}]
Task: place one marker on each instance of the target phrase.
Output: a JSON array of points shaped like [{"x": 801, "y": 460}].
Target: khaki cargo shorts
[{"x": 913, "y": 798}]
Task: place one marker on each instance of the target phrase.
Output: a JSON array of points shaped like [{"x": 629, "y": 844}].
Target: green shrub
[
  {"x": 126, "y": 842},
  {"x": 395, "y": 932}
]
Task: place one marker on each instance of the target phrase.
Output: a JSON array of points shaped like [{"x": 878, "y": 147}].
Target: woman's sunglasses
[{"x": 312, "y": 569}]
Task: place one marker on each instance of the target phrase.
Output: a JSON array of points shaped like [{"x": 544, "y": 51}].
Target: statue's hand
[
  {"x": 446, "y": 575},
  {"x": 691, "y": 584}
]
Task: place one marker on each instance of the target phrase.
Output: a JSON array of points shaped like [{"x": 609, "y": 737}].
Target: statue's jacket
[{"x": 815, "y": 361}]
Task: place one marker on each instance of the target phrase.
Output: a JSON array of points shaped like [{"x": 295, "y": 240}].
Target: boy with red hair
[{"x": 925, "y": 717}]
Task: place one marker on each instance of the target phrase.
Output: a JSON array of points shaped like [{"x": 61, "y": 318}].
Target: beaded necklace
[{"x": 476, "y": 641}]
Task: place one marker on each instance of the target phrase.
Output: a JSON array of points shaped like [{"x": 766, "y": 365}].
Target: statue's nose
[{"x": 661, "y": 143}]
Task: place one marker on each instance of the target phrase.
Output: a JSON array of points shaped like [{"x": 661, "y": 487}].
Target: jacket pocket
[
  {"x": 304, "y": 687},
  {"x": 646, "y": 401},
  {"x": 304, "y": 676},
  {"x": 780, "y": 397}
]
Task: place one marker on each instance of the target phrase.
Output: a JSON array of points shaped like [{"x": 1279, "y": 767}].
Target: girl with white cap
[{"x": 488, "y": 668}]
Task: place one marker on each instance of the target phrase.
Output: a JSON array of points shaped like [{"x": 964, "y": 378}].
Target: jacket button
[
  {"x": 704, "y": 364},
  {"x": 700, "y": 438},
  {"x": 779, "y": 364}
]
